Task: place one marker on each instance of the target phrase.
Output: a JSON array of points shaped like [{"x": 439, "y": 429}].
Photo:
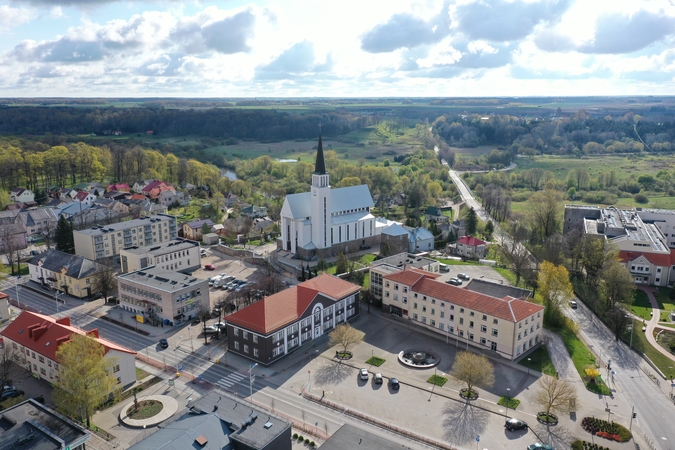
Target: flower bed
[
  {"x": 583, "y": 445},
  {"x": 437, "y": 380},
  {"x": 608, "y": 430},
  {"x": 509, "y": 402}
]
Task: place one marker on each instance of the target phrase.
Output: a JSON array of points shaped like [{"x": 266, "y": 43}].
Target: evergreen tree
[
  {"x": 341, "y": 265},
  {"x": 471, "y": 221},
  {"x": 489, "y": 229},
  {"x": 63, "y": 236}
]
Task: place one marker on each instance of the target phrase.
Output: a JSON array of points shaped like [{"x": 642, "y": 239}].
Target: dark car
[
  {"x": 164, "y": 343},
  {"x": 395, "y": 385},
  {"x": 454, "y": 282},
  {"x": 34, "y": 252},
  {"x": 11, "y": 394},
  {"x": 515, "y": 424}
]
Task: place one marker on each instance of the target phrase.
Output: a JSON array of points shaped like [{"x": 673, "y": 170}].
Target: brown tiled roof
[
  {"x": 287, "y": 306},
  {"x": 658, "y": 259},
  {"x": 43, "y": 334},
  {"x": 507, "y": 308},
  {"x": 410, "y": 276}
]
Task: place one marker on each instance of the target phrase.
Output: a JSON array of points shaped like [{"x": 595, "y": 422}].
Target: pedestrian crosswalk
[{"x": 231, "y": 380}]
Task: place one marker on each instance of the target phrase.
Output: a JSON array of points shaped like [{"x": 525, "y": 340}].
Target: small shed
[{"x": 210, "y": 239}]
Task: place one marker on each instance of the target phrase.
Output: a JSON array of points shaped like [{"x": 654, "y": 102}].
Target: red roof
[
  {"x": 658, "y": 259},
  {"x": 81, "y": 195},
  {"x": 123, "y": 187},
  {"x": 410, "y": 276},
  {"x": 3, "y": 295},
  {"x": 152, "y": 185},
  {"x": 287, "y": 306},
  {"x": 470, "y": 240},
  {"x": 43, "y": 334}
]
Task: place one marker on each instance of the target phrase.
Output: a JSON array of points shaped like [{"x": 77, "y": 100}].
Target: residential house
[
  {"x": 52, "y": 191},
  {"x": 139, "y": 185},
  {"x": 193, "y": 230},
  {"x": 37, "y": 337},
  {"x": 163, "y": 297},
  {"x": 394, "y": 240},
  {"x": 38, "y": 222},
  {"x": 219, "y": 420},
  {"x": 419, "y": 240},
  {"x": 21, "y": 195},
  {"x": 113, "y": 205},
  {"x": 120, "y": 187},
  {"x": 254, "y": 211},
  {"x": 507, "y": 326},
  {"x": 275, "y": 326},
  {"x": 30, "y": 424},
  {"x": 181, "y": 255},
  {"x": 66, "y": 193},
  {"x": 436, "y": 214},
  {"x": 107, "y": 241},
  {"x": 167, "y": 197},
  {"x": 218, "y": 228},
  {"x": 73, "y": 274},
  {"x": 13, "y": 236},
  {"x": 153, "y": 194},
  {"x": 56, "y": 202},
  {"x": 85, "y": 198},
  {"x": 471, "y": 247},
  {"x": 97, "y": 191},
  {"x": 84, "y": 186},
  {"x": 154, "y": 184},
  {"x": 117, "y": 195},
  {"x": 230, "y": 200},
  {"x": 262, "y": 223},
  {"x": 9, "y": 216}
]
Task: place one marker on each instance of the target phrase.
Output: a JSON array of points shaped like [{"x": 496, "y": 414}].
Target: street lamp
[
  {"x": 16, "y": 287},
  {"x": 251, "y": 378},
  {"x": 56, "y": 300},
  {"x": 508, "y": 399},
  {"x": 630, "y": 346},
  {"x": 529, "y": 361}
]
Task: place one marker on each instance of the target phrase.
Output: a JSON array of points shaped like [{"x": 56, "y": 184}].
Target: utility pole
[{"x": 251, "y": 378}]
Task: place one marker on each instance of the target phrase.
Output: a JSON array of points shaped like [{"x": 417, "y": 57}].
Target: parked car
[
  {"x": 9, "y": 388},
  {"x": 395, "y": 385},
  {"x": 515, "y": 424},
  {"x": 573, "y": 304},
  {"x": 463, "y": 276},
  {"x": 11, "y": 394},
  {"x": 202, "y": 252},
  {"x": 209, "y": 267},
  {"x": 210, "y": 329},
  {"x": 220, "y": 325},
  {"x": 363, "y": 374},
  {"x": 377, "y": 378},
  {"x": 454, "y": 282},
  {"x": 539, "y": 446},
  {"x": 444, "y": 267},
  {"x": 34, "y": 252},
  {"x": 164, "y": 343}
]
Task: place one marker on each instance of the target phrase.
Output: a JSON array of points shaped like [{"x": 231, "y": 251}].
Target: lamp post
[
  {"x": 56, "y": 300},
  {"x": 16, "y": 287},
  {"x": 630, "y": 346},
  {"x": 192, "y": 346},
  {"x": 508, "y": 398},
  {"x": 529, "y": 361},
  {"x": 251, "y": 377}
]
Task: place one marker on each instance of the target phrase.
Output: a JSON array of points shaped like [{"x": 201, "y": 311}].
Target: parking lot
[
  {"x": 486, "y": 273},
  {"x": 229, "y": 266}
]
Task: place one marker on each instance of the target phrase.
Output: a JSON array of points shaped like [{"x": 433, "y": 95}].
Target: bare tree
[
  {"x": 556, "y": 395},
  {"x": 473, "y": 370},
  {"x": 104, "y": 282},
  {"x": 10, "y": 245},
  {"x": 346, "y": 336},
  {"x": 9, "y": 367},
  {"x": 512, "y": 249}
]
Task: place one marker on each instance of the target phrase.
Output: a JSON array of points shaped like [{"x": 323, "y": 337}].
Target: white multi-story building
[
  {"x": 107, "y": 241},
  {"x": 35, "y": 339},
  {"x": 163, "y": 297},
  {"x": 180, "y": 255}
]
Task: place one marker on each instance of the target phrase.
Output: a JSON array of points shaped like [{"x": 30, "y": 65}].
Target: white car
[{"x": 363, "y": 374}]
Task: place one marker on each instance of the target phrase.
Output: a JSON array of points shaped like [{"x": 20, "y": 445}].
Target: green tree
[
  {"x": 63, "y": 236},
  {"x": 341, "y": 265},
  {"x": 489, "y": 229},
  {"x": 618, "y": 285},
  {"x": 103, "y": 282},
  {"x": 546, "y": 213},
  {"x": 556, "y": 290},
  {"x": 86, "y": 377},
  {"x": 471, "y": 219}
]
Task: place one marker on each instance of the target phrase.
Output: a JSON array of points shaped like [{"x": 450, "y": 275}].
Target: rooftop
[
  {"x": 161, "y": 279},
  {"x": 349, "y": 437},
  {"x": 100, "y": 230},
  {"x": 408, "y": 260},
  {"x": 163, "y": 248}
]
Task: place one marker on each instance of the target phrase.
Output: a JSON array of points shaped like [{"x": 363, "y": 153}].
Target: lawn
[
  {"x": 511, "y": 403},
  {"x": 509, "y": 275},
  {"x": 539, "y": 360},
  {"x": 375, "y": 361},
  {"x": 582, "y": 358},
  {"x": 141, "y": 374},
  {"x": 454, "y": 262},
  {"x": 663, "y": 299},
  {"x": 8, "y": 271},
  {"x": 640, "y": 342},
  {"x": 437, "y": 380},
  {"x": 641, "y": 307}
]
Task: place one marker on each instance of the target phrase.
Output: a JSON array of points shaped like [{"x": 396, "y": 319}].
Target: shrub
[
  {"x": 312, "y": 444},
  {"x": 641, "y": 198},
  {"x": 607, "y": 430},
  {"x": 307, "y": 440},
  {"x": 301, "y": 438},
  {"x": 295, "y": 435}
]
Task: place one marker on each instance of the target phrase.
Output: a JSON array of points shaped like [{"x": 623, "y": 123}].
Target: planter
[
  {"x": 547, "y": 419},
  {"x": 343, "y": 355},
  {"x": 468, "y": 395}
]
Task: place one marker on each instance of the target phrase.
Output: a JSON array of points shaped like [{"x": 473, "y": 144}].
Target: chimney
[
  {"x": 93, "y": 332},
  {"x": 63, "y": 321}
]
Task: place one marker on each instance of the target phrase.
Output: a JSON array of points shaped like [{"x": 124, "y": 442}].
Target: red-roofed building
[
  {"x": 85, "y": 198},
  {"x": 471, "y": 247},
  {"x": 649, "y": 268},
  {"x": 35, "y": 338},
  {"x": 271, "y": 328},
  {"x": 508, "y": 326},
  {"x": 119, "y": 187}
]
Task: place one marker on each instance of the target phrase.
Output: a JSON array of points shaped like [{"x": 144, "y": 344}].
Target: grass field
[
  {"x": 539, "y": 360},
  {"x": 582, "y": 358},
  {"x": 641, "y": 343},
  {"x": 641, "y": 306}
]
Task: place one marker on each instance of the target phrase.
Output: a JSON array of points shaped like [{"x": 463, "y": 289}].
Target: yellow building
[{"x": 72, "y": 274}]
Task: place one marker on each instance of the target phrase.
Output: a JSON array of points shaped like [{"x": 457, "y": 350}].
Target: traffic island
[{"x": 148, "y": 411}]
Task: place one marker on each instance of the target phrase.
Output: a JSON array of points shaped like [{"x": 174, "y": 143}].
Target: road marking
[{"x": 231, "y": 380}]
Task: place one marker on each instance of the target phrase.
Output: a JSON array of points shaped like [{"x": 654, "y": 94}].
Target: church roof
[
  {"x": 341, "y": 199},
  {"x": 320, "y": 167}
]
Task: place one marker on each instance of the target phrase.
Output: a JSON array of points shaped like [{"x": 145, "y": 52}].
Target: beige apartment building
[
  {"x": 180, "y": 255},
  {"x": 107, "y": 241},
  {"x": 162, "y": 297},
  {"x": 508, "y": 326}
]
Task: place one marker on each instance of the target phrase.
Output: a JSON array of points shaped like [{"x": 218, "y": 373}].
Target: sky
[{"x": 343, "y": 48}]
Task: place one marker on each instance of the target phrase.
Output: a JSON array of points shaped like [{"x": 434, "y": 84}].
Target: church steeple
[{"x": 320, "y": 166}]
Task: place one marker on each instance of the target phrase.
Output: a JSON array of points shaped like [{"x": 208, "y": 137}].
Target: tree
[
  {"x": 9, "y": 367},
  {"x": 618, "y": 284},
  {"x": 471, "y": 221},
  {"x": 546, "y": 213},
  {"x": 489, "y": 229},
  {"x": 341, "y": 265},
  {"x": 63, "y": 236},
  {"x": 103, "y": 282},
  {"x": 206, "y": 229},
  {"x": 512, "y": 249},
  {"x": 617, "y": 320},
  {"x": 346, "y": 336},
  {"x": 556, "y": 395},
  {"x": 593, "y": 254},
  {"x": 473, "y": 370},
  {"x": 86, "y": 378},
  {"x": 10, "y": 245},
  {"x": 556, "y": 290}
]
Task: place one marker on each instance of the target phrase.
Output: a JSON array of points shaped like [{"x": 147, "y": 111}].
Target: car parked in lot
[
  {"x": 539, "y": 446},
  {"x": 463, "y": 276},
  {"x": 11, "y": 394},
  {"x": 395, "y": 385},
  {"x": 210, "y": 330},
  {"x": 454, "y": 282},
  {"x": 363, "y": 374},
  {"x": 209, "y": 267},
  {"x": 377, "y": 378},
  {"x": 515, "y": 424},
  {"x": 443, "y": 267},
  {"x": 164, "y": 343}
]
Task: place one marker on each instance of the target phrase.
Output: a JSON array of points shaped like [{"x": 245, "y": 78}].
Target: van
[
  {"x": 444, "y": 267},
  {"x": 573, "y": 304}
]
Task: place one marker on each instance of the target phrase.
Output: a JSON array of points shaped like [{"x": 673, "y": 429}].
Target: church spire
[{"x": 320, "y": 167}]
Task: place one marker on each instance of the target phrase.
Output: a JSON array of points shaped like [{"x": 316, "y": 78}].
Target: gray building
[
  {"x": 394, "y": 264},
  {"x": 106, "y": 241},
  {"x": 220, "y": 421},
  {"x": 180, "y": 255},
  {"x": 349, "y": 437},
  {"x": 162, "y": 297}
]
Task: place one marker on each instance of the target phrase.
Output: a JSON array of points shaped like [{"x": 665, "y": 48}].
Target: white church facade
[{"x": 325, "y": 222}]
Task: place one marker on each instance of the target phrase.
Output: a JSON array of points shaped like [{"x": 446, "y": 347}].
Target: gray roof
[
  {"x": 126, "y": 225},
  {"x": 349, "y": 437},
  {"x": 163, "y": 248},
  {"x": 410, "y": 260},
  {"x": 198, "y": 223},
  {"x": 37, "y": 215},
  {"x": 76, "y": 266},
  {"x": 395, "y": 230},
  {"x": 161, "y": 279},
  {"x": 497, "y": 290},
  {"x": 40, "y": 427},
  {"x": 218, "y": 417},
  {"x": 419, "y": 234},
  {"x": 341, "y": 199}
]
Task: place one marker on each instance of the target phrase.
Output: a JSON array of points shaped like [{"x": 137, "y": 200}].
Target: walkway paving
[
  {"x": 653, "y": 322},
  {"x": 169, "y": 408}
]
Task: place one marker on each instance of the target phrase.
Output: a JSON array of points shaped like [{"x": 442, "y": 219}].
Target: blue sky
[{"x": 346, "y": 48}]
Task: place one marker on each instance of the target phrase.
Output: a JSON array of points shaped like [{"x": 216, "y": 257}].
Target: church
[{"x": 326, "y": 222}]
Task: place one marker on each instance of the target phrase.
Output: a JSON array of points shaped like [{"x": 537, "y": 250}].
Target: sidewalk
[{"x": 653, "y": 323}]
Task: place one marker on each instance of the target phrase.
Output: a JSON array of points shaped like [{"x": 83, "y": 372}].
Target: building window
[
  {"x": 424, "y": 308},
  {"x": 442, "y": 314},
  {"x": 484, "y": 317},
  {"x": 471, "y": 324},
  {"x": 235, "y": 331},
  {"x": 461, "y": 320},
  {"x": 245, "y": 348},
  {"x": 433, "y": 323},
  {"x": 41, "y": 359},
  {"x": 255, "y": 338},
  {"x": 405, "y": 300},
  {"x": 424, "y": 319},
  {"x": 441, "y": 326},
  {"x": 415, "y": 305},
  {"x": 483, "y": 329},
  {"x": 236, "y": 345},
  {"x": 495, "y": 332},
  {"x": 461, "y": 310},
  {"x": 415, "y": 316},
  {"x": 395, "y": 297},
  {"x": 255, "y": 352},
  {"x": 396, "y": 287},
  {"x": 471, "y": 314},
  {"x": 483, "y": 341},
  {"x": 495, "y": 321},
  {"x": 470, "y": 335},
  {"x": 519, "y": 336},
  {"x": 245, "y": 335}
]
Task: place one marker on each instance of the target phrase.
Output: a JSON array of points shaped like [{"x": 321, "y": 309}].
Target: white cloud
[{"x": 13, "y": 17}]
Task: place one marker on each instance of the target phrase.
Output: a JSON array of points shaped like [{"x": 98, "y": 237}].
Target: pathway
[{"x": 653, "y": 322}]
